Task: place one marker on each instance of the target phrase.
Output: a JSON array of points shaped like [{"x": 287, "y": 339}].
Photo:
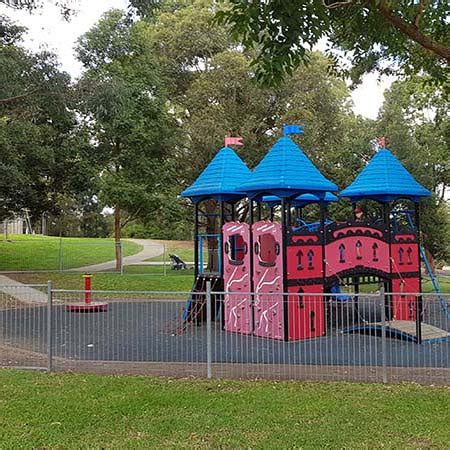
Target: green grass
[
  {"x": 147, "y": 278},
  {"x": 87, "y": 411},
  {"x": 153, "y": 281},
  {"x": 45, "y": 252}
]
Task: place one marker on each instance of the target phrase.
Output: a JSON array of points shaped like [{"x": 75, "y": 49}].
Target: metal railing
[{"x": 226, "y": 335}]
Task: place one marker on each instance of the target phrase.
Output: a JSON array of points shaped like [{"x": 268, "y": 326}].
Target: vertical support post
[
  {"x": 258, "y": 211},
  {"x": 389, "y": 298},
  {"x": 251, "y": 249},
  {"x": 121, "y": 256},
  {"x": 356, "y": 288},
  {"x": 208, "y": 330},
  {"x": 49, "y": 326},
  {"x": 383, "y": 336},
  {"x": 220, "y": 238},
  {"x": 196, "y": 240},
  {"x": 233, "y": 212},
  {"x": 61, "y": 255},
  {"x": 164, "y": 260},
  {"x": 284, "y": 226},
  {"x": 323, "y": 213},
  {"x": 272, "y": 213},
  {"x": 419, "y": 299}
]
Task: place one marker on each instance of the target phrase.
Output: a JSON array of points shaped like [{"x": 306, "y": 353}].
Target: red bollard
[
  {"x": 87, "y": 288},
  {"x": 88, "y": 305}
]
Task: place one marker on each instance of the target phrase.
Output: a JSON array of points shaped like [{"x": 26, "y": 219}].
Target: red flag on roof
[{"x": 233, "y": 141}]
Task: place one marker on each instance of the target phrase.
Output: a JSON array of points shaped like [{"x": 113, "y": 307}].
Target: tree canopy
[
  {"x": 156, "y": 97},
  {"x": 392, "y": 37}
]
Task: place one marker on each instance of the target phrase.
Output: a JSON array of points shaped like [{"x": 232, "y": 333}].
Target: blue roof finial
[{"x": 292, "y": 129}]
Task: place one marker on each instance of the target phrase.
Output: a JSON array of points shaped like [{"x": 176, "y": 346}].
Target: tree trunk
[{"x": 117, "y": 237}]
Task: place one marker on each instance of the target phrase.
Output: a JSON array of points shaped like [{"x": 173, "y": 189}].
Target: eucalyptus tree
[{"x": 123, "y": 105}]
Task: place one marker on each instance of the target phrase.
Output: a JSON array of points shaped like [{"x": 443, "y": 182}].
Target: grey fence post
[
  {"x": 49, "y": 326},
  {"x": 383, "y": 334},
  {"x": 121, "y": 257},
  {"x": 164, "y": 260},
  {"x": 208, "y": 331},
  {"x": 61, "y": 254}
]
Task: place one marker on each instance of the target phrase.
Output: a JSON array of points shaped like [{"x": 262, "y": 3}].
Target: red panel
[
  {"x": 404, "y": 305},
  {"x": 306, "y": 313},
  {"x": 236, "y": 275},
  {"x": 268, "y": 279},
  {"x": 304, "y": 262},
  {"x": 352, "y": 251},
  {"x": 405, "y": 258}
]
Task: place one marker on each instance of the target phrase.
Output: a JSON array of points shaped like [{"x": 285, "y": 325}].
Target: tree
[
  {"x": 123, "y": 103},
  {"x": 67, "y": 7},
  {"x": 416, "y": 119},
  {"x": 392, "y": 37},
  {"x": 41, "y": 150},
  {"x": 214, "y": 94}
]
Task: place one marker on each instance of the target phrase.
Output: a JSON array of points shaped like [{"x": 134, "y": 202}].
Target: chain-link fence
[{"x": 228, "y": 335}]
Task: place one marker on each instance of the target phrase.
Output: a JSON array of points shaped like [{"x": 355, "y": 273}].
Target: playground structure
[{"x": 274, "y": 267}]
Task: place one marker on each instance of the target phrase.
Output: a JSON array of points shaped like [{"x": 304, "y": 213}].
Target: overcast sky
[{"x": 48, "y": 30}]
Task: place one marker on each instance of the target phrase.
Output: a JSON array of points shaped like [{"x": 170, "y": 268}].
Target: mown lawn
[
  {"x": 153, "y": 280},
  {"x": 53, "y": 253},
  {"x": 144, "y": 278},
  {"x": 87, "y": 411}
]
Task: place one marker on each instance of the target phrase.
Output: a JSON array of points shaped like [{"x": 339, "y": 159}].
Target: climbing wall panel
[
  {"x": 237, "y": 301},
  {"x": 268, "y": 280}
]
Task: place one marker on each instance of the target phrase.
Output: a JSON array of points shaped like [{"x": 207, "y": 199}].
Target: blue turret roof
[
  {"x": 220, "y": 179},
  {"x": 385, "y": 179},
  {"x": 301, "y": 200},
  {"x": 286, "y": 171}
]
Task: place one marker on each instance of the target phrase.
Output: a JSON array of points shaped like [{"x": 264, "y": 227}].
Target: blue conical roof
[
  {"x": 286, "y": 171},
  {"x": 220, "y": 179},
  {"x": 301, "y": 200},
  {"x": 385, "y": 179}
]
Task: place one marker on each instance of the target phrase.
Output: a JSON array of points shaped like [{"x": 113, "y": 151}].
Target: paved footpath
[
  {"x": 21, "y": 292},
  {"x": 151, "y": 249}
]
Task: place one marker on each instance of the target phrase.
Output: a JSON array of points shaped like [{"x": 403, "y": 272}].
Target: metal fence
[
  {"x": 156, "y": 333},
  {"x": 30, "y": 254}
]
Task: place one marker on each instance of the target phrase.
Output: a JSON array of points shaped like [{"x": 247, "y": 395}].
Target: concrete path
[
  {"x": 151, "y": 249},
  {"x": 21, "y": 291}
]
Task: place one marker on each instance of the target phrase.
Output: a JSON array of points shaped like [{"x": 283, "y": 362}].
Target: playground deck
[{"x": 404, "y": 329}]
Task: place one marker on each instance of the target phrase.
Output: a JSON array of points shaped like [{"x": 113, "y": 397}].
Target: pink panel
[
  {"x": 236, "y": 274},
  {"x": 352, "y": 251},
  {"x": 268, "y": 279}
]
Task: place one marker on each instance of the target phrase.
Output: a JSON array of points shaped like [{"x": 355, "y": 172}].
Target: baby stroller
[{"x": 177, "y": 262}]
